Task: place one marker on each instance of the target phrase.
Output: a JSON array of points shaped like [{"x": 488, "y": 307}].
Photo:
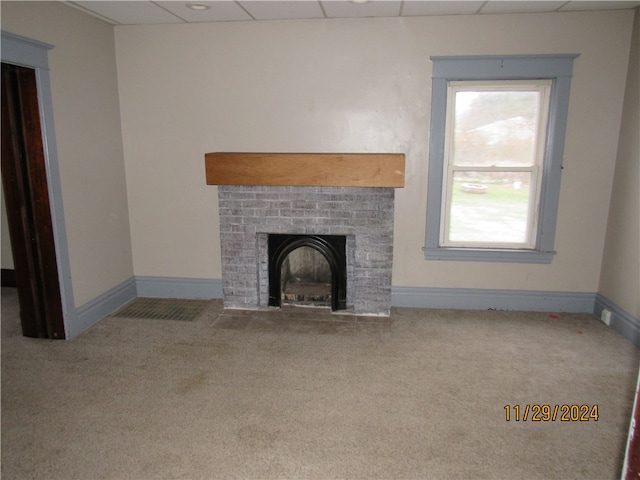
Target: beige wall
[
  {"x": 359, "y": 85},
  {"x": 87, "y": 124},
  {"x": 620, "y": 280},
  {"x": 353, "y": 85}
]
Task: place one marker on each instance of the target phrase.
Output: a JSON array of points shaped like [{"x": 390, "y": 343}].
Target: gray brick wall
[{"x": 248, "y": 214}]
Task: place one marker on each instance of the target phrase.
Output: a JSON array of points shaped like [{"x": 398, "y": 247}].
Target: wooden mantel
[{"x": 306, "y": 169}]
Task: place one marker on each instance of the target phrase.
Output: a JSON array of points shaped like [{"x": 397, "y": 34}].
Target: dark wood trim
[
  {"x": 8, "y": 278},
  {"x": 24, "y": 179}
]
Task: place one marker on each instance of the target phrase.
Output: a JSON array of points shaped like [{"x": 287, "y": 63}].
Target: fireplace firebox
[{"x": 332, "y": 247}]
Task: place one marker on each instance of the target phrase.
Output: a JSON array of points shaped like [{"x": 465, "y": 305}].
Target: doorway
[{"x": 24, "y": 179}]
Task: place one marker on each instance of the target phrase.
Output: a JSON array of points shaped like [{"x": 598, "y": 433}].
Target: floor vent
[{"x": 163, "y": 309}]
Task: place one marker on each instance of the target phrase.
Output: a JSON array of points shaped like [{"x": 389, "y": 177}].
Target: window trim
[{"x": 558, "y": 69}]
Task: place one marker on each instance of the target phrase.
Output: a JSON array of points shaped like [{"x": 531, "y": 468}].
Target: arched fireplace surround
[{"x": 332, "y": 247}]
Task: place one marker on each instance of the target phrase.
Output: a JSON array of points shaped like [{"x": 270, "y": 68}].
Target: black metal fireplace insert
[{"x": 332, "y": 247}]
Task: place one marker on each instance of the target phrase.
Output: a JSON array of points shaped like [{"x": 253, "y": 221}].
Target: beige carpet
[{"x": 291, "y": 395}]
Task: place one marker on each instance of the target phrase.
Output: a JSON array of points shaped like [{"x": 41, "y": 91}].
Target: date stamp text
[{"x": 551, "y": 413}]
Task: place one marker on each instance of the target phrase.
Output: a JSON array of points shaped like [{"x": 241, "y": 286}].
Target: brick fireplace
[{"x": 250, "y": 213}]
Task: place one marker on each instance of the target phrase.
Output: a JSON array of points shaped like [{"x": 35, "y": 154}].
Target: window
[
  {"x": 494, "y": 154},
  {"x": 497, "y": 137}
]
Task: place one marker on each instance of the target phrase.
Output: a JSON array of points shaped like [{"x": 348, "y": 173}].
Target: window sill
[{"x": 488, "y": 255}]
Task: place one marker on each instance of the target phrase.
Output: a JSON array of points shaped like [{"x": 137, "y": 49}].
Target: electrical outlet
[{"x": 605, "y": 316}]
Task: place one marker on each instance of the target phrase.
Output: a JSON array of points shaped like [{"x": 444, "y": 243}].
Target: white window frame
[
  {"x": 543, "y": 87},
  {"x": 446, "y": 70}
]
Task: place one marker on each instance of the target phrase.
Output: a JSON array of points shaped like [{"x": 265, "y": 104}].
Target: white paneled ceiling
[{"x": 152, "y": 12}]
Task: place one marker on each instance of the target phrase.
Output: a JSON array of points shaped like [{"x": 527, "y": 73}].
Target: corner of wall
[
  {"x": 98, "y": 308},
  {"x": 621, "y": 321}
]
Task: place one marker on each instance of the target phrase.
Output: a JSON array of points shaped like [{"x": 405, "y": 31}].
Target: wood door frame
[
  {"x": 29, "y": 53},
  {"x": 24, "y": 178}
]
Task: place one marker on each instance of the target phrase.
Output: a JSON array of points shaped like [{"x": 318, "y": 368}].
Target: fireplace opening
[
  {"x": 308, "y": 270},
  {"x": 306, "y": 278}
]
